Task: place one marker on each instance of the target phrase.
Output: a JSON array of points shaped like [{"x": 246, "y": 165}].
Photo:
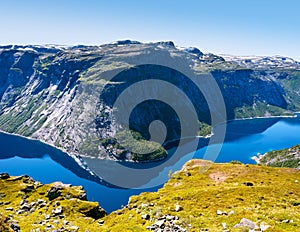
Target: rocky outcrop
[
  {"x": 65, "y": 96},
  {"x": 55, "y": 207},
  {"x": 289, "y": 157}
]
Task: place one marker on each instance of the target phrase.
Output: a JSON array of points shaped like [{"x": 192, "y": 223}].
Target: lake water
[{"x": 244, "y": 139}]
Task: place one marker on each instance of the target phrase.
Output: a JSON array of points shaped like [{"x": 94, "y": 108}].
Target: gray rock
[
  {"x": 246, "y": 223},
  {"x": 15, "y": 227},
  {"x": 53, "y": 192},
  {"x": 178, "y": 208},
  {"x": 146, "y": 216},
  {"x": 219, "y": 212},
  {"x": 57, "y": 211},
  {"x": 20, "y": 211},
  {"x": 160, "y": 224},
  {"x": 28, "y": 189},
  {"x": 25, "y": 207}
]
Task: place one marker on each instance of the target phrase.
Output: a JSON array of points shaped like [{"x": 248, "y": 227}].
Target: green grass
[
  {"x": 273, "y": 197},
  {"x": 77, "y": 212}
]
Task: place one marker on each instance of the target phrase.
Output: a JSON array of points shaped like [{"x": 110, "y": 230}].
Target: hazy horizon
[{"x": 260, "y": 28}]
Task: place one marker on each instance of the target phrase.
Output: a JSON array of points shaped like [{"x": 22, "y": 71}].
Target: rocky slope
[
  {"x": 65, "y": 96},
  {"x": 201, "y": 197},
  {"x": 28, "y": 205},
  {"x": 289, "y": 157},
  {"x": 216, "y": 197}
]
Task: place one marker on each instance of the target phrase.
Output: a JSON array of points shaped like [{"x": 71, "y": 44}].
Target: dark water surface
[{"x": 244, "y": 139}]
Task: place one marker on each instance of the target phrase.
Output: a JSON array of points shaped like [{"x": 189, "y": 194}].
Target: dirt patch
[{"x": 218, "y": 176}]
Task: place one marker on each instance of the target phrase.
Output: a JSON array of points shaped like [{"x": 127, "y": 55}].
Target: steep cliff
[{"x": 67, "y": 96}]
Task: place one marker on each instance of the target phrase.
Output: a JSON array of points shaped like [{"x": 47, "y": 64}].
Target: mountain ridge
[{"x": 51, "y": 92}]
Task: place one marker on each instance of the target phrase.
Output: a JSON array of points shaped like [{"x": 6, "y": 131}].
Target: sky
[{"x": 249, "y": 27}]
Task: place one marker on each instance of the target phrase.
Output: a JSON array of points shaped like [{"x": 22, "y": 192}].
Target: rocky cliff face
[{"x": 66, "y": 96}]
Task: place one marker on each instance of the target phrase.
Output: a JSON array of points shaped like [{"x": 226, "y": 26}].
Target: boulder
[{"x": 4, "y": 176}]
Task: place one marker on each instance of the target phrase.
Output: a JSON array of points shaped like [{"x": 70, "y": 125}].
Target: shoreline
[
  {"x": 257, "y": 158},
  {"x": 79, "y": 158},
  {"x": 76, "y": 158}
]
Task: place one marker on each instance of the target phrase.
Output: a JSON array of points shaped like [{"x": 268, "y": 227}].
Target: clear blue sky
[{"x": 242, "y": 27}]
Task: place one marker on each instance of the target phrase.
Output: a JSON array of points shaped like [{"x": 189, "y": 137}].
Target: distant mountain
[{"x": 66, "y": 95}]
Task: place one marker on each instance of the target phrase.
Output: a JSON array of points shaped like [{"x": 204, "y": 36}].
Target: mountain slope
[
  {"x": 65, "y": 96},
  {"x": 289, "y": 157},
  {"x": 216, "y": 197}
]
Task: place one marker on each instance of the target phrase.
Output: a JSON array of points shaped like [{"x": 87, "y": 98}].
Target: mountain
[{"x": 108, "y": 101}]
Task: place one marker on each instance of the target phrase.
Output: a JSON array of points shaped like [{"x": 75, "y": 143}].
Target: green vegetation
[
  {"x": 289, "y": 157},
  {"x": 15, "y": 120},
  {"x": 204, "y": 129},
  {"x": 132, "y": 141},
  {"x": 291, "y": 85},
  {"x": 142, "y": 150},
  {"x": 195, "y": 196},
  {"x": 264, "y": 195},
  {"x": 260, "y": 109},
  {"x": 35, "y": 207}
]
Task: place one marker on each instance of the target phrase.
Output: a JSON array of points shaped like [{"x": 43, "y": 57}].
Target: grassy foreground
[
  {"x": 203, "y": 196},
  {"x": 265, "y": 195}
]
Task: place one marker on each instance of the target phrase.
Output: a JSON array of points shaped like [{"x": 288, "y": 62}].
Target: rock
[
  {"x": 28, "y": 189},
  {"x": 248, "y": 184},
  {"x": 101, "y": 222},
  {"x": 4, "y": 176},
  {"x": 224, "y": 225},
  {"x": 146, "y": 216},
  {"x": 53, "y": 193},
  {"x": 170, "y": 218},
  {"x": 231, "y": 212},
  {"x": 219, "y": 212},
  {"x": 32, "y": 204},
  {"x": 194, "y": 50},
  {"x": 96, "y": 212},
  {"x": 246, "y": 223},
  {"x": 286, "y": 221},
  {"x": 20, "y": 211},
  {"x": 23, "y": 202},
  {"x": 160, "y": 224},
  {"x": 264, "y": 227},
  {"x": 178, "y": 208},
  {"x": 188, "y": 174},
  {"x": 57, "y": 211},
  {"x": 83, "y": 196},
  {"x": 143, "y": 205},
  {"x": 40, "y": 201},
  {"x": 25, "y": 207},
  {"x": 57, "y": 203},
  {"x": 15, "y": 227}
]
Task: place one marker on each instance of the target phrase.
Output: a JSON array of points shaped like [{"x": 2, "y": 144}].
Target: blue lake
[{"x": 244, "y": 139}]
